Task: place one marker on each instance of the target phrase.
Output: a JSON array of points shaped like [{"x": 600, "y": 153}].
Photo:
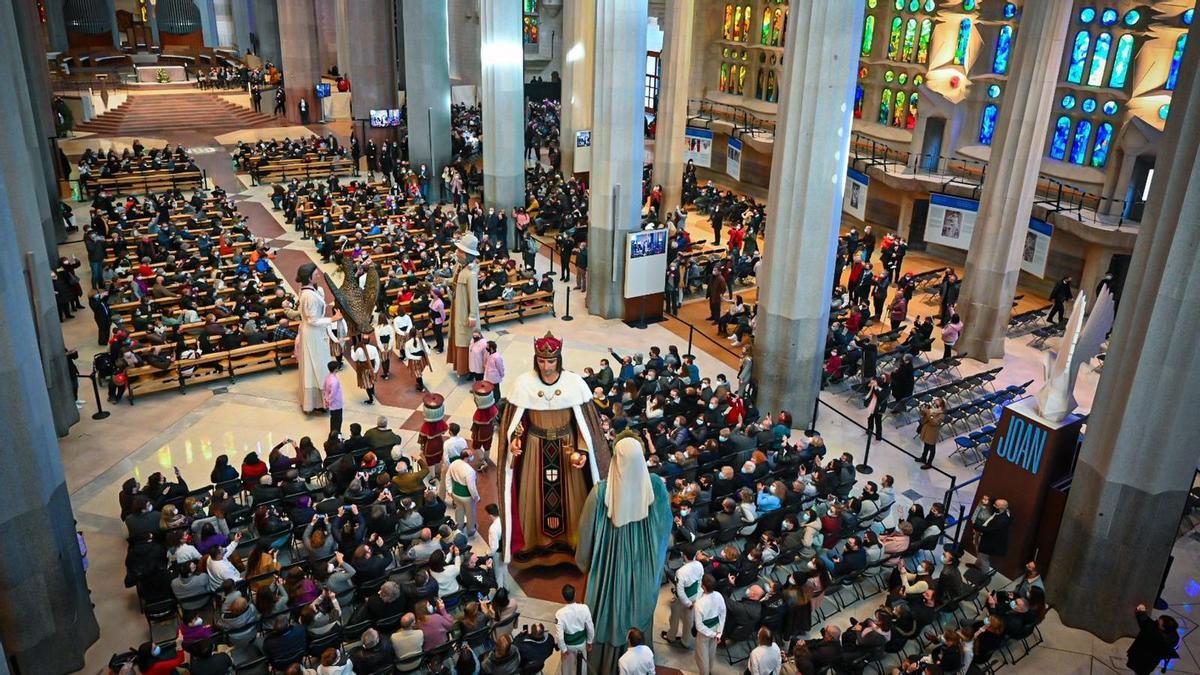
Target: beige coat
[
  {"x": 465, "y": 305},
  {"x": 931, "y": 424}
]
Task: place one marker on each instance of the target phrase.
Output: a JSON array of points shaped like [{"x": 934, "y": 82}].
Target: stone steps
[{"x": 175, "y": 112}]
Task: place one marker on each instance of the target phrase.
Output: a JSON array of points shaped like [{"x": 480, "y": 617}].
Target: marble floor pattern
[{"x": 167, "y": 429}]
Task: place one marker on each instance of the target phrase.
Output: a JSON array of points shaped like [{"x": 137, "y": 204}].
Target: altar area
[{"x": 150, "y": 73}]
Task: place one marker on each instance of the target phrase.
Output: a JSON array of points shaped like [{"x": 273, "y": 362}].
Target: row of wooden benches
[{"x": 141, "y": 182}]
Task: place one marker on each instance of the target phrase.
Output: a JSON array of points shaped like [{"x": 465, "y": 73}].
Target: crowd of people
[{"x": 135, "y": 159}]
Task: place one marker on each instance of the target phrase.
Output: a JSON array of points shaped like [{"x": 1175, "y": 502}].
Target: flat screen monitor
[
  {"x": 385, "y": 118},
  {"x": 323, "y": 90}
]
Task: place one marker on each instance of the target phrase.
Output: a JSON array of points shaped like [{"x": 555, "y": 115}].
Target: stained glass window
[
  {"x": 888, "y": 76},
  {"x": 1068, "y": 102},
  {"x": 1079, "y": 145},
  {"x": 1108, "y": 17},
  {"x": 898, "y": 111},
  {"x": 1087, "y": 15},
  {"x": 1187, "y": 17},
  {"x": 858, "y": 102},
  {"x": 745, "y": 34},
  {"x": 765, "y": 30},
  {"x": 1164, "y": 111},
  {"x": 1099, "y": 60},
  {"x": 918, "y": 81},
  {"x": 930, "y": 5},
  {"x": 1010, "y": 10},
  {"x": 1110, "y": 107},
  {"x": 914, "y": 5},
  {"x": 969, "y": 5},
  {"x": 987, "y": 125},
  {"x": 885, "y": 106},
  {"x": 1058, "y": 144},
  {"x": 1089, "y": 105},
  {"x": 1173, "y": 74},
  {"x": 529, "y": 30},
  {"x": 530, "y": 6},
  {"x": 772, "y": 88},
  {"x": 727, "y": 24},
  {"x": 1104, "y": 134},
  {"x": 910, "y": 40},
  {"x": 902, "y": 78},
  {"x": 871, "y": 4},
  {"x": 923, "y": 41},
  {"x": 910, "y": 120},
  {"x": 741, "y": 80},
  {"x": 1132, "y": 17},
  {"x": 1079, "y": 53},
  {"x": 724, "y": 84},
  {"x": 737, "y": 23},
  {"x": 1121, "y": 61},
  {"x": 868, "y": 35},
  {"x": 993, "y": 90},
  {"x": 893, "y": 52},
  {"x": 963, "y": 42},
  {"x": 760, "y": 82},
  {"x": 1003, "y": 50},
  {"x": 779, "y": 29},
  {"x": 899, "y": 5}
]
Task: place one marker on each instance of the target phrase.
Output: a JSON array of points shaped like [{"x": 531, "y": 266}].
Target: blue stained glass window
[
  {"x": 1164, "y": 110},
  {"x": 914, "y": 5},
  {"x": 899, "y": 5},
  {"x": 969, "y": 5},
  {"x": 987, "y": 126},
  {"x": 1089, "y": 105},
  {"x": 1010, "y": 10},
  {"x": 1173, "y": 75},
  {"x": 1068, "y": 102},
  {"x": 963, "y": 42},
  {"x": 1079, "y": 53},
  {"x": 993, "y": 90},
  {"x": 1108, "y": 17},
  {"x": 1079, "y": 145},
  {"x": 1058, "y": 144},
  {"x": 1132, "y": 17},
  {"x": 1104, "y": 134},
  {"x": 1003, "y": 50},
  {"x": 1087, "y": 15},
  {"x": 1110, "y": 108},
  {"x": 1121, "y": 59},
  {"x": 1099, "y": 60},
  {"x": 1187, "y": 17}
]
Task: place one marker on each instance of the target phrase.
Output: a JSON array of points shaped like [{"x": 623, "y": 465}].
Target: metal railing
[{"x": 745, "y": 123}]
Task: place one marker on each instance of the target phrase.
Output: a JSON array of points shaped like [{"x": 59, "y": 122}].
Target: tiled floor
[{"x": 188, "y": 431}]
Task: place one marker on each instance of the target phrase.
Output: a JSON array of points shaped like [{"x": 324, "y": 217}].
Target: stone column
[
  {"x": 241, "y": 25},
  {"x": 111, "y": 7},
  {"x": 301, "y": 62},
  {"x": 1096, "y": 260},
  {"x": 372, "y": 61},
  {"x": 266, "y": 28},
  {"x": 618, "y": 149},
  {"x": 36, "y": 245},
  {"x": 904, "y": 223},
  {"x": 1135, "y": 469},
  {"x": 56, "y": 26},
  {"x": 994, "y": 257},
  {"x": 579, "y": 32},
  {"x": 208, "y": 22},
  {"x": 33, "y": 51},
  {"x": 673, "y": 102},
  {"x": 426, "y": 85},
  {"x": 327, "y": 35},
  {"x": 503, "y": 100},
  {"x": 804, "y": 209},
  {"x": 341, "y": 20}
]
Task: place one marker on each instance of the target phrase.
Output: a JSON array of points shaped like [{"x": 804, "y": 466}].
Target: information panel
[
  {"x": 854, "y": 201},
  {"x": 951, "y": 221},
  {"x": 645, "y": 262},
  {"x": 733, "y": 159},
  {"x": 1037, "y": 247},
  {"x": 698, "y": 146}
]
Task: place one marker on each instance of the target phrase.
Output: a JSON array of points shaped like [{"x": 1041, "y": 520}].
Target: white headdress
[{"x": 629, "y": 494}]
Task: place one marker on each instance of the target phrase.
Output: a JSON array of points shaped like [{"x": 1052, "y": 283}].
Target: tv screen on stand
[{"x": 385, "y": 118}]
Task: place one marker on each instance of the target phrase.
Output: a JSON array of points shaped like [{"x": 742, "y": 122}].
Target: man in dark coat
[
  {"x": 993, "y": 535},
  {"x": 1060, "y": 296},
  {"x": 1155, "y": 641}
]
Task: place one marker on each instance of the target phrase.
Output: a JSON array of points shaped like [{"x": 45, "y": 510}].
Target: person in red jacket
[
  {"x": 151, "y": 661},
  {"x": 253, "y": 468}
]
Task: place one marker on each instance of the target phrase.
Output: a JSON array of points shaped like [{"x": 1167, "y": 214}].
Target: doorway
[{"x": 931, "y": 144}]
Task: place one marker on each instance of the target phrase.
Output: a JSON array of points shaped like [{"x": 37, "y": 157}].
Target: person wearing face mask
[
  {"x": 713, "y": 417},
  {"x": 686, "y": 523},
  {"x": 766, "y": 499},
  {"x": 152, "y": 661},
  {"x": 650, "y": 386}
]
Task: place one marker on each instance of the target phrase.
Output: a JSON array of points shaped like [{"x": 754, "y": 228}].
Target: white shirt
[
  {"x": 415, "y": 348},
  {"x": 367, "y": 353},
  {"x": 710, "y": 606},
  {"x": 766, "y": 660},
  {"x": 637, "y": 660},
  {"x": 572, "y": 619},
  {"x": 464, "y": 474},
  {"x": 403, "y": 324},
  {"x": 383, "y": 331},
  {"x": 691, "y": 573},
  {"x": 493, "y": 537},
  {"x": 453, "y": 447}
]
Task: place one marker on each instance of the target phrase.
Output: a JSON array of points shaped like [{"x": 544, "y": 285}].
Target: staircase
[{"x": 153, "y": 113}]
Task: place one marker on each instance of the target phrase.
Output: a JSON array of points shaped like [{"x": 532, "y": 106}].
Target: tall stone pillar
[
  {"x": 266, "y": 28},
  {"x": 33, "y": 50},
  {"x": 208, "y": 22},
  {"x": 111, "y": 7},
  {"x": 372, "y": 60},
  {"x": 1096, "y": 260},
  {"x": 1136, "y": 466},
  {"x": 241, "y": 25},
  {"x": 301, "y": 62},
  {"x": 327, "y": 35},
  {"x": 579, "y": 31},
  {"x": 804, "y": 207},
  {"x": 56, "y": 26},
  {"x": 30, "y": 214},
  {"x": 341, "y": 21},
  {"x": 673, "y": 101},
  {"x": 994, "y": 258},
  {"x": 618, "y": 149},
  {"x": 503, "y": 100},
  {"x": 426, "y": 86}
]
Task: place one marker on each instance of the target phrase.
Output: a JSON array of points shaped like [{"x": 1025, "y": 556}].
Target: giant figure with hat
[
  {"x": 432, "y": 434},
  {"x": 464, "y": 305},
  {"x": 312, "y": 342},
  {"x": 483, "y": 422},
  {"x": 550, "y": 453}
]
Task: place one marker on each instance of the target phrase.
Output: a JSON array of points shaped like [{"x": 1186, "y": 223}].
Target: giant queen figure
[{"x": 550, "y": 452}]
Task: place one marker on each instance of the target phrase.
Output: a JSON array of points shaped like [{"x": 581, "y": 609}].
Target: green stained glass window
[
  {"x": 899, "y": 109},
  {"x": 918, "y": 81},
  {"x": 902, "y": 78},
  {"x": 930, "y": 5},
  {"x": 893, "y": 51},
  {"x": 910, "y": 40},
  {"x": 1121, "y": 59},
  {"x": 899, "y": 5},
  {"x": 923, "y": 41},
  {"x": 885, "y": 106},
  {"x": 963, "y": 42},
  {"x": 868, "y": 40},
  {"x": 765, "y": 31},
  {"x": 889, "y": 76},
  {"x": 1099, "y": 60},
  {"x": 914, "y": 5},
  {"x": 970, "y": 5}
]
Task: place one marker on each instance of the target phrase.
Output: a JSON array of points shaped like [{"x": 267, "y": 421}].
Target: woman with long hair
[{"x": 262, "y": 564}]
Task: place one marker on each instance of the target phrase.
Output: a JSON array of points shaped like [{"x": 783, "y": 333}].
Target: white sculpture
[{"x": 1080, "y": 342}]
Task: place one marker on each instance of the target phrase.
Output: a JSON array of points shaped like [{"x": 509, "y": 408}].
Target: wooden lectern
[{"x": 1029, "y": 455}]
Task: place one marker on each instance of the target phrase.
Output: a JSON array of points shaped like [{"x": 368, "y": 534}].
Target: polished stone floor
[{"x": 189, "y": 431}]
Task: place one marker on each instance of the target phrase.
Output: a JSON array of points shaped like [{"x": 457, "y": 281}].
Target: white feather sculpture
[{"x": 1080, "y": 343}]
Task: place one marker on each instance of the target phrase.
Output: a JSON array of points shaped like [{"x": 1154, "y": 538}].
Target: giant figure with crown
[{"x": 551, "y": 452}]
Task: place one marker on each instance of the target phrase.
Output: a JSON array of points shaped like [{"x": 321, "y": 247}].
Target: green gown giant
[{"x": 623, "y": 540}]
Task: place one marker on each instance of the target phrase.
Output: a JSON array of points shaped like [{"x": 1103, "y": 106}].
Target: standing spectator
[
  {"x": 709, "y": 615},
  {"x": 1060, "y": 296},
  {"x": 993, "y": 535},
  {"x": 1155, "y": 641},
  {"x": 745, "y": 372},
  {"x": 950, "y": 334},
  {"x": 437, "y": 312},
  {"x": 766, "y": 658},
  {"x": 574, "y": 630},
  {"x": 464, "y": 491},
  {"x": 581, "y": 263},
  {"x": 638, "y": 659},
  {"x": 932, "y": 415},
  {"x": 332, "y": 395},
  {"x": 876, "y": 402},
  {"x": 493, "y": 368}
]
